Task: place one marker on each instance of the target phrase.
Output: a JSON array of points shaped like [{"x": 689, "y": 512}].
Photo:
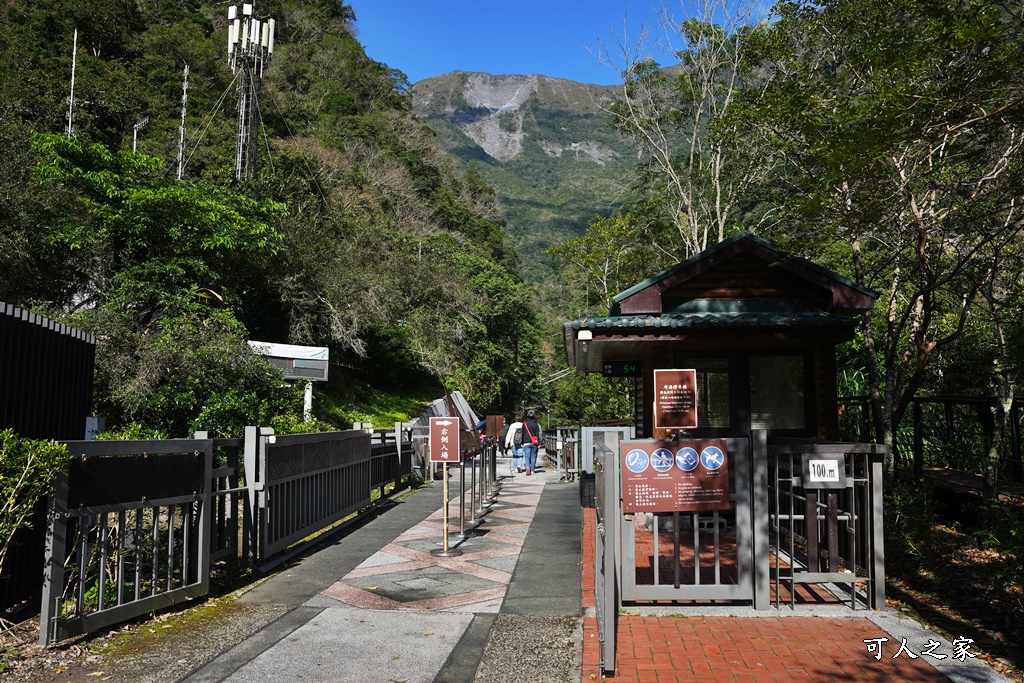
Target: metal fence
[
  {"x": 946, "y": 431},
  {"x": 827, "y": 535},
  {"x": 561, "y": 450},
  {"x": 129, "y": 533},
  {"x": 46, "y": 373},
  {"x": 133, "y": 526}
]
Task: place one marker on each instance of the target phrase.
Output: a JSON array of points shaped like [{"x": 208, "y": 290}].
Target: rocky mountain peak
[{"x": 545, "y": 144}]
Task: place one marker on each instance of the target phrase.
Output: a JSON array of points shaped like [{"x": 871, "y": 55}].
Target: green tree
[
  {"x": 611, "y": 257},
  {"x": 897, "y": 130},
  {"x": 696, "y": 170}
]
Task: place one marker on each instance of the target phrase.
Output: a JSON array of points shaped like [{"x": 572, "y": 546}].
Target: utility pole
[
  {"x": 71, "y": 98},
  {"x": 250, "y": 48}
]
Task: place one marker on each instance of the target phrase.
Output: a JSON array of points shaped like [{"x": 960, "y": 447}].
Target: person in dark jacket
[{"x": 531, "y": 440}]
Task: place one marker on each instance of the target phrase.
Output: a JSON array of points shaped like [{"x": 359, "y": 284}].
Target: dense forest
[
  {"x": 882, "y": 139},
  {"x": 358, "y": 232}
]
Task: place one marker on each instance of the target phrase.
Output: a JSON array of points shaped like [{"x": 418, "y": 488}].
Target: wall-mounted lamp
[{"x": 584, "y": 337}]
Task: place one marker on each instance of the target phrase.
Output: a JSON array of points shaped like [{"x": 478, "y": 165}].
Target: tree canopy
[{"x": 359, "y": 233}]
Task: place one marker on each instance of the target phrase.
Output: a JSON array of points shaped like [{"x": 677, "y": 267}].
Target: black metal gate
[{"x": 780, "y": 533}]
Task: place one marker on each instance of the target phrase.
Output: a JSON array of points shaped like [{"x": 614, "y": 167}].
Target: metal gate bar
[
  {"x": 716, "y": 585},
  {"x": 835, "y": 541},
  {"x": 604, "y": 454},
  {"x": 113, "y": 573}
]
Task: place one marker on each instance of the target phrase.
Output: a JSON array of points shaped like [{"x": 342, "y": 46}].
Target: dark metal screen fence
[
  {"x": 134, "y": 517},
  {"x": 133, "y": 526},
  {"x": 46, "y": 372}
]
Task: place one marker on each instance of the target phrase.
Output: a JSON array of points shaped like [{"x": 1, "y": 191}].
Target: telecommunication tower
[{"x": 250, "y": 48}]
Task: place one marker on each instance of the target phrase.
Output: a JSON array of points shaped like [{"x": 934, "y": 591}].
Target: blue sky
[{"x": 424, "y": 38}]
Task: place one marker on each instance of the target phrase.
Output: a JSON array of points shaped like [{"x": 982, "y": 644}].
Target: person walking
[
  {"x": 515, "y": 439},
  {"x": 531, "y": 440}
]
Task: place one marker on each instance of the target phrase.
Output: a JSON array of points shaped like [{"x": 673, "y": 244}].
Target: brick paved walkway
[{"x": 663, "y": 648}]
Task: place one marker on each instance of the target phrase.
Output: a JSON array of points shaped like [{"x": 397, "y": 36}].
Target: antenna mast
[
  {"x": 250, "y": 47},
  {"x": 135, "y": 132},
  {"x": 71, "y": 98},
  {"x": 181, "y": 128}
]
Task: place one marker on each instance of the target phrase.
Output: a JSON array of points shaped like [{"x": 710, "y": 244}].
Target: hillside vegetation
[{"x": 360, "y": 233}]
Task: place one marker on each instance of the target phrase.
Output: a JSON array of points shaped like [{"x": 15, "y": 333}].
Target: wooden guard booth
[
  {"x": 800, "y": 521},
  {"x": 759, "y": 326}
]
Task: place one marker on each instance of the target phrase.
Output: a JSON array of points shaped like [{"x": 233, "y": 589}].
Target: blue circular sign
[
  {"x": 712, "y": 458},
  {"x": 686, "y": 459},
  {"x": 662, "y": 460},
  {"x": 637, "y": 460}
]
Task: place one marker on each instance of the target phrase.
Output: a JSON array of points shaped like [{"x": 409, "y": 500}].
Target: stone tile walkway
[{"x": 405, "y": 575}]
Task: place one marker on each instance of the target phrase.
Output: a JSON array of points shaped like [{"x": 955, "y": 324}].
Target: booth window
[
  {"x": 777, "y": 392},
  {"x": 712, "y": 391}
]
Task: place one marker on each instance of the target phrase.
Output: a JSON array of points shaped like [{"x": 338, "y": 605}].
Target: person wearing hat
[{"x": 531, "y": 440}]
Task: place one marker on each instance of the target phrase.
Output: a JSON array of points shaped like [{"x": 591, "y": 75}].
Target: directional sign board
[{"x": 444, "y": 439}]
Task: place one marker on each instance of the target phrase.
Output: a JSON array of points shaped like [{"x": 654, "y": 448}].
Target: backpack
[{"x": 517, "y": 438}]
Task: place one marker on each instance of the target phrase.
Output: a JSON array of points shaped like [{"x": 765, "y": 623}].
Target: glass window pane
[
  {"x": 777, "y": 392},
  {"x": 712, "y": 391}
]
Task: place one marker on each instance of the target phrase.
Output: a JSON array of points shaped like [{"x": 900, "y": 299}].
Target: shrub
[{"x": 27, "y": 467}]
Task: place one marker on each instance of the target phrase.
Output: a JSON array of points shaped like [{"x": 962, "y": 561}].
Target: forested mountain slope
[{"x": 360, "y": 232}]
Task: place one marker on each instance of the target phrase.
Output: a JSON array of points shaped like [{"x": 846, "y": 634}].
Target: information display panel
[
  {"x": 674, "y": 476},
  {"x": 675, "y": 399}
]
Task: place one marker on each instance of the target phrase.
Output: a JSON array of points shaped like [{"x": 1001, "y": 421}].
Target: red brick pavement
[{"x": 720, "y": 649}]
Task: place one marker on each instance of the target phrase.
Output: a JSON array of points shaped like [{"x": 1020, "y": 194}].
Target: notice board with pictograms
[{"x": 674, "y": 476}]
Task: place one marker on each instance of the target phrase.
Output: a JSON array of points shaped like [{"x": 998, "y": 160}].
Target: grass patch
[{"x": 357, "y": 401}]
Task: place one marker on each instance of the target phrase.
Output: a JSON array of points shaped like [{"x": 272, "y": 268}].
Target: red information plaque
[
  {"x": 675, "y": 399},
  {"x": 674, "y": 476}
]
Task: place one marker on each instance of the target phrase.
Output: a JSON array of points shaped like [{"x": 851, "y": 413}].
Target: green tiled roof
[
  {"x": 757, "y": 319},
  {"x": 721, "y": 246}
]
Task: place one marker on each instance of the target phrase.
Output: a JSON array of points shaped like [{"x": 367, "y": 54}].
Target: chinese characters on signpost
[
  {"x": 444, "y": 439},
  {"x": 444, "y": 448},
  {"x": 675, "y": 476},
  {"x": 675, "y": 399}
]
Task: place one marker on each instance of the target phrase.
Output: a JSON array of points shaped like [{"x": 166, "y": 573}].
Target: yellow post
[{"x": 444, "y": 467}]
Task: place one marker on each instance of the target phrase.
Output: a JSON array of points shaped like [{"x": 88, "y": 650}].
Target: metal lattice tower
[{"x": 250, "y": 48}]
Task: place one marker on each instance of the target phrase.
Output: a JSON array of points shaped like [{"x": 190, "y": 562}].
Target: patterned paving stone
[{"x": 406, "y": 574}]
